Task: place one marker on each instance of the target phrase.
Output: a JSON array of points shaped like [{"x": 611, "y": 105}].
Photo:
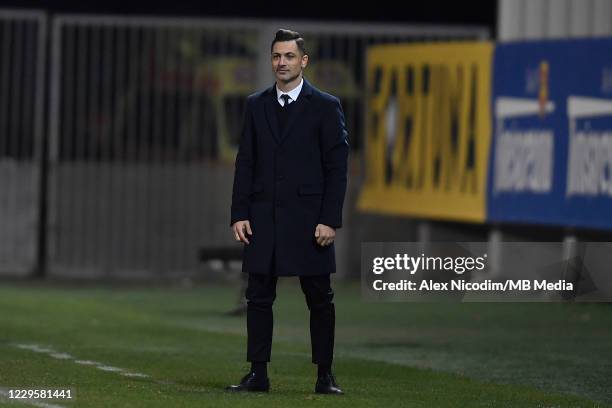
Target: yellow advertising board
[{"x": 428, "y": 130}]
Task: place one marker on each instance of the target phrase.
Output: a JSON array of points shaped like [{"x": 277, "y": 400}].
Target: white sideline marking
[
  {"x": 110, "y": 368},
  {"x": 65, "y": 356},
  {"x": 4, "y": 394},
  {"x": 61, "y": 356},
  {"x": 34, "y": 347},
  {"x": 138, "y": 375},
  {"x": 87, "y": 362}
]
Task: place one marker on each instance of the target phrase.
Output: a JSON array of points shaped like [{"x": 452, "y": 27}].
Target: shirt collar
[{"x": 293, "y": 94}]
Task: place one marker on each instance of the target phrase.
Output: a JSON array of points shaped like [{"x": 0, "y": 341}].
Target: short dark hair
[{"x": 288, "y": 35}]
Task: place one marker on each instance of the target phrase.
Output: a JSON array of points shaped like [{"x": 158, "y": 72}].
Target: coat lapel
[
  {"x": 269, "y": 102},
  {"x": 301, "y": 104}
]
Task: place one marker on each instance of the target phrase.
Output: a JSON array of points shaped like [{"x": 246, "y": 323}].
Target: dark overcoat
[{"x": 285, "y": 184}]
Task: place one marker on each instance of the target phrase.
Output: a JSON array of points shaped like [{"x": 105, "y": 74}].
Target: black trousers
[{"x": 260, "y": 295}]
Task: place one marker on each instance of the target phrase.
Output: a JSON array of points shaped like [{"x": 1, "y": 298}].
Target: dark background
[{"x": 483, "y": 13}]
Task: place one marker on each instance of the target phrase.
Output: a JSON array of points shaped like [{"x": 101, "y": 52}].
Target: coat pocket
[{"x": 258, "y": 193}]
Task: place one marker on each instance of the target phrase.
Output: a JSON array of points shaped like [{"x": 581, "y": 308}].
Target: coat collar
[
  {"x": 306, "y": 90},
  {"x": 293, "y": 94}
]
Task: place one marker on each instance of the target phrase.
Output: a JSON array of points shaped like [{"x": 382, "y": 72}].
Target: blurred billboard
[{"x": 428, "y": 129}]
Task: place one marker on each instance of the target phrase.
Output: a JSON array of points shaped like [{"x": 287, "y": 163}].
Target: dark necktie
[{"x": 285, "y": 98}]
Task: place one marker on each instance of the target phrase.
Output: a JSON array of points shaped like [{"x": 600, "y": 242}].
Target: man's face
[{"x": 287, "y": 61}]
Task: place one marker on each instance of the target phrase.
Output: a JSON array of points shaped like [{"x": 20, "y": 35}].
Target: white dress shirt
[{"x": 293, "y": 94}]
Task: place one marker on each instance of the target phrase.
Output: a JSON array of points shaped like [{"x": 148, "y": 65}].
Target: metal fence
[
  {"x": 22, "y": 94},
  {"x": 143, "y": 124},
  {"x": 141, "y": 120}
]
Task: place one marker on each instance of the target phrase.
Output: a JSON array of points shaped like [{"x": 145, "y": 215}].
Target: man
[{"x": 289, "y": 186}]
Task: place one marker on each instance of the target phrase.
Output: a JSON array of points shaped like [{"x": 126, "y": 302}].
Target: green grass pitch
[{"x": 186, "y": 350}]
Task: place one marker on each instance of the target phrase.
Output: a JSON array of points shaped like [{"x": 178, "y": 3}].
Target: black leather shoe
[
  {"x": 252, "y": 383},
  {"x": 327, "y": 385}
]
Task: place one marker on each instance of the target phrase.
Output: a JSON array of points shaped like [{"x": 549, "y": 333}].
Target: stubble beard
[{"x": 293, "y": 78}]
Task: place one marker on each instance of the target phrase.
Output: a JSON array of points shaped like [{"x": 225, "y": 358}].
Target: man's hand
[
  {"x": 241, "y": 228},
  {"x": 325, "y": 235}
]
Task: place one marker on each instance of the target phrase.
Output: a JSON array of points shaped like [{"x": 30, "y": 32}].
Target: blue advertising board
[{"x": 551, "y": 152}]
